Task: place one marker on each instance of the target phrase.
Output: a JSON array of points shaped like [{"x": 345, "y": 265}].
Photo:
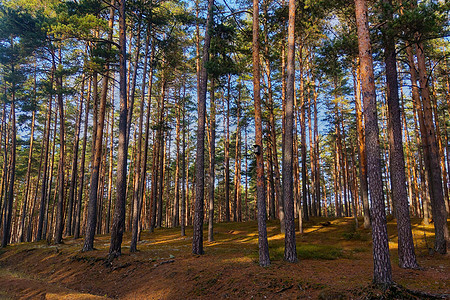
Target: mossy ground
[{"x": 335, "y": 262}]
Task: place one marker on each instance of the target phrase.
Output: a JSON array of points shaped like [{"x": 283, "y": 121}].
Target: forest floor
[{"x": 335, "y": 262}]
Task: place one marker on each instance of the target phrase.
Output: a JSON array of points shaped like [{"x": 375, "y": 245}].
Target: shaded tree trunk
[
  {"x": 95, "y": 173},
  {"x": 7, "y": 216},
  {"x": 74, "y": 175},
  {"x": 212, "y": 162},
  {"x": 118, "y": 224},
  {"x": 139, "y": 185},
  {"x": 184, "y": 187},
  {"x": 45, "y": 170},
  {"x": 197, "y": 240},
  {"x": 59, "y": 226},
  {"x": 434, "y": 169},
  {"x": 227, "y": 159},
  {"x": 21, "y": 234},
  {"x": 77, "y": 221},
  {"x": 264, "y": 259},
  {"x": 407, "y": 256}
]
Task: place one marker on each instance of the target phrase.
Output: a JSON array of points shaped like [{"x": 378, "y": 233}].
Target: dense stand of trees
[{"x": 315, "y": 108}]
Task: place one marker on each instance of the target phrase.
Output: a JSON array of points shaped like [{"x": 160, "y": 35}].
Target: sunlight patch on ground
[
  {"x": 70, "y": 296},
  {"x": 242, "y": 259}
]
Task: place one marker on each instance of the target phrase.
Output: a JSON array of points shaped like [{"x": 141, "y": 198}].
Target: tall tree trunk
[
  {"x": 197, "y": 240},
  {"x": 132, "y": 87},
  {"x": 212, "y": 162},
  {"x": 45, "y": 170},
  {"x": 434, "y": 170},
  {"x": 407, "y": 256},
  {"x": 137, "y": 195},
  {"x": 304, "y": 195},
  {"x": 162, "y": 156},
  {"x": 227, "y": 158},
  {"x": 31, "y": 215},
  {"x": 237, "y": 159},
  {"x": 50, "y": 181},
  {"x": 382, "y": 265},
  {"x": 12, "y": 172},
  {"x": 274, "y": 171},
  {"x": 119, "y": 209},
  {"x": 317, "y": 151},
  {"x": 77, "y": 221},
  {"x": 95, "y": 173},
  {"x": 439, "y": 143},
  {"x": 74, "y": 175},
  {"x": 155, "y": 172},
  {"x": 290, "y": 248},
  {"x": 176, "y": 206},
  {"x": 363, "y": 184},
  {"x": 59, "y": 226},
  {"x": 283, "y": 118},
  {"x": 411, "y": 170},
  {"x": 183, "y": 166},
  {"x": 5, "y": 174},
  {"x": 314, "y": 201},
  {"x": 264, "y": 259},
  {"x": 418, "y": 116},
  {"x": 28, "y": 179},
  {"x": 110, "y": 167}
]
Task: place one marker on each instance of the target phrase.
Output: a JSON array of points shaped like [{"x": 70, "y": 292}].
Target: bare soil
[{"x": 335, "y": 262}]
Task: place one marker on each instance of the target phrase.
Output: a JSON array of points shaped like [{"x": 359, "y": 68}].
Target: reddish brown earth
[{"x": 334, "y": 263}]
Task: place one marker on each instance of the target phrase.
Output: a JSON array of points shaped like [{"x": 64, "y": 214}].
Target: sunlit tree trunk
[
  {"x": 290, "y": 249},
  {"x": 382, "y": 265},
  {"x": 363, "y": 185}
]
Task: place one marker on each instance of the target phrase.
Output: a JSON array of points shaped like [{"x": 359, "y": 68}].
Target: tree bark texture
[
  {"x": 382, "y": 266},
  {"x": 290, "y": 248},
  {"x": 264, "y": 259},
  {"x": 197, "y": 240}
]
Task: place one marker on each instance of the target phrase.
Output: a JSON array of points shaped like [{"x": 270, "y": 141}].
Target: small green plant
[{"x": 355, "y": 235}]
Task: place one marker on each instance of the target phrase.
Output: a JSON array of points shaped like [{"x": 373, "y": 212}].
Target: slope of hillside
[{"x": 334, "y": 262}]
